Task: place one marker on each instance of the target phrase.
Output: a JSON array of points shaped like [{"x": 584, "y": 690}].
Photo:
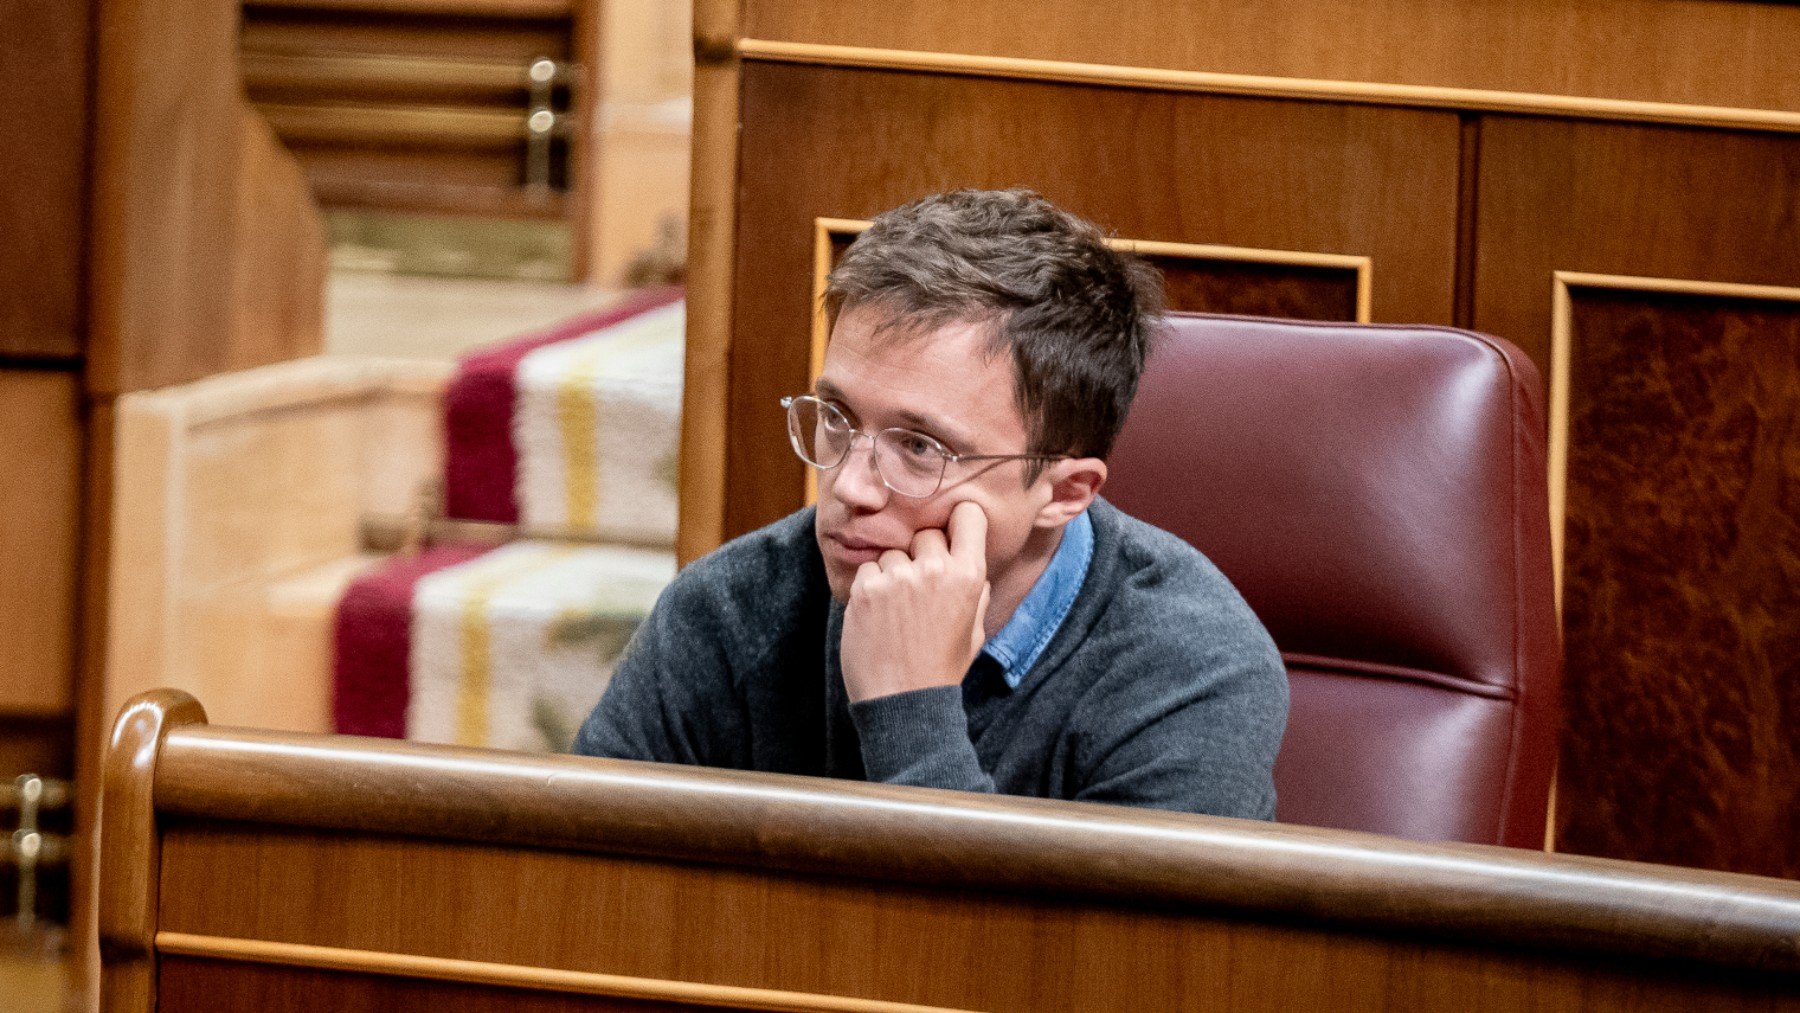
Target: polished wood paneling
[
  {"x": 1682, "y": 581},
  {"x": 1670, "y": 750},
  {"x": 40, "y": 455},
  {"x": 1649, "y": 50},
  {"x": 185, "y": 984},
  {"x": 1143, "y": 164},
  {"x": 43, "y": 159},
  {"x": 1558, "y": 195},
  {"x": 683, "y": 994},
  {"x": 967, "y": 947}
]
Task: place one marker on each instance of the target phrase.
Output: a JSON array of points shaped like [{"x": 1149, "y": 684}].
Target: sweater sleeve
[
  {"x": 1192, "y": 730},
  {"x": 671, "y": 698},
  {"x": 920, "y": 737}
]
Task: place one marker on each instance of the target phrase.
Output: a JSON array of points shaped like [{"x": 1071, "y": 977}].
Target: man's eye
[{"x": 916, "y": 445}]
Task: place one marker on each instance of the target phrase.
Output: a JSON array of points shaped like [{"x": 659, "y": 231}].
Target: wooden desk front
[{"x": 254, "y": 870}]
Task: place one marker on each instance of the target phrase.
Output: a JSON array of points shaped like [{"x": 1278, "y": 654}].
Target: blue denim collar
[{"x": 1022, "y": 640}]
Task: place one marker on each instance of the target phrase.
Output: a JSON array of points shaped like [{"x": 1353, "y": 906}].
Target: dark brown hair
[{"x": 1076, "y": 314}]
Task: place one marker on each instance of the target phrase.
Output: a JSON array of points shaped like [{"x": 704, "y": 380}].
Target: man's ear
[{"x": 1073, "y": 485}]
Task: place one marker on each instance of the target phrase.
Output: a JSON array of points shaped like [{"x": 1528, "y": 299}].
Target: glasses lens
[
  {"x": 820, "y": 433},
  {"x": 912, "y": 464}
]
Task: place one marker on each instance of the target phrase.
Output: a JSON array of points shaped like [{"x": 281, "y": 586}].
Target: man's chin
[{"x": 840, "y": 579}]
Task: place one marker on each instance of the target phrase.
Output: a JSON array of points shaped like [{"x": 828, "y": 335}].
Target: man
[{"x": 961, "y": 610}]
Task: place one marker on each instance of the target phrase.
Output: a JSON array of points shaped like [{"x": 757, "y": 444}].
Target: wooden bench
[{"x": 262, "y": 870}]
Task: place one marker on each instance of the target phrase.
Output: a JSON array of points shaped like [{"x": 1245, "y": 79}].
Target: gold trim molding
[
  {"x": 1562, "y": 339},
  {"x": 1311, "y": 89},
  {"x": 543, "y": 979}
]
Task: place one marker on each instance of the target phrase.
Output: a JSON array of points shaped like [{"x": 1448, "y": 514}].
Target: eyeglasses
[{"x": 910, "y": 463}]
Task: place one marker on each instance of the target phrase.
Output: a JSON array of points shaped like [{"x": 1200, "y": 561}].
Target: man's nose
[{"x": 857, "y": 483}]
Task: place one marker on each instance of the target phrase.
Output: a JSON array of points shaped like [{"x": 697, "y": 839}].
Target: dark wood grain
[
  {"x": 1682, "y": 606},
  {"x": 1257, "y": 289},
  {"x": 43, "y": 162},
  {"x": 821, "y": 142}
]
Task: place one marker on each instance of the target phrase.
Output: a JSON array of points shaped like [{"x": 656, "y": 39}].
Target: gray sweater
[{"x": 1160, "y": 688}]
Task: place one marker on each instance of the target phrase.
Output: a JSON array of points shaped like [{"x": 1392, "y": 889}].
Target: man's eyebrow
[{"x": 906, "y": 418}]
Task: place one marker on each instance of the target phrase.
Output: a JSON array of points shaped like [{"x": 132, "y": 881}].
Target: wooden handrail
[{"x": 921, "y": 836}]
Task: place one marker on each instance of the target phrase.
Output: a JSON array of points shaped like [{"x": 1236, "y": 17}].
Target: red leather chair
[{"x": 1378, "y": 495}]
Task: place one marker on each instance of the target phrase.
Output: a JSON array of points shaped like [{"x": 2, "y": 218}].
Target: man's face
[{"x": 945, "y": 384}]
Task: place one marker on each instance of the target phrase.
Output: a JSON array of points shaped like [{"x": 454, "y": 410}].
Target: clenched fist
[{"x": 915, "y": 620}]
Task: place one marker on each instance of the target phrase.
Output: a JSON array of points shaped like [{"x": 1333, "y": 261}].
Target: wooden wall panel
[
  {"x": 831, "y": 938},
  {"x": 40, "y": 455},
  {"x": 1649, "y": 50},
  {"x": 1678, "y": 745},
  {"x": 43, "y": 159},
  {"x": 1663, "y": 202},
  {"x": 187, "y": 984},
  {"x": 1146, "y": 165},
  {"x": 1682, "y": 576}
]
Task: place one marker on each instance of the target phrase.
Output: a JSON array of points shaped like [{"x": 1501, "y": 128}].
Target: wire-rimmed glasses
[{"x": 908, "y": 462}]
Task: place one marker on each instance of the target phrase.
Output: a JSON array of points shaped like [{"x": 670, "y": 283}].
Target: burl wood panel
[
  {"x": 1660, "y": 202},
  {"x": 196, "y": 984},
  {"x": 40, "y": 457},
  {"x": 1708, "y": 53},
  {"x": 844, "y": 143},
  {"x": 1682, "y": 582},
  {"x": 959, "y": 948},
  {"x": 1259, "y": 290},
  {"x": 43, "y": 176}
]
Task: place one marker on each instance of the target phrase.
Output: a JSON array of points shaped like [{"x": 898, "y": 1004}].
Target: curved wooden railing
[{"x": 166, "y": 767}]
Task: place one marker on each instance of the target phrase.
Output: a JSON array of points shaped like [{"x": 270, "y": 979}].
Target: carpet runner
[{"x": 571, "y": 432}]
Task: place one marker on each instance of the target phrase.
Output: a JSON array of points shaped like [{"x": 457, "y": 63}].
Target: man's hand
[{"x": 916, "y": 620}]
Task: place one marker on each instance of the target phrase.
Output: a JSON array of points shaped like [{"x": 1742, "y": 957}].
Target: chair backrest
[{"x": 1378, "y": 494}]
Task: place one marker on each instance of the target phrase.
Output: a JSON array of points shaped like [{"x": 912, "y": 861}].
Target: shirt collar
[{"x": 1022, "y": 640}]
